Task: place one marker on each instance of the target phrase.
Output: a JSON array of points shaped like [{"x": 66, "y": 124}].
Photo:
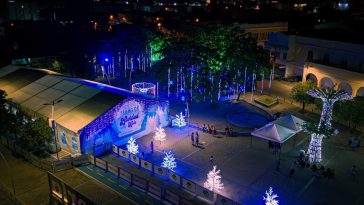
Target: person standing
[
  {"x": 211, "y": 160},
  {"x": 152, "y": 146},
  {"x": 193, "y": 138}
]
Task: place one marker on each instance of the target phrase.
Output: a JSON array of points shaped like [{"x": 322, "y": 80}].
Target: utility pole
[{"x": 53, "y": 103}]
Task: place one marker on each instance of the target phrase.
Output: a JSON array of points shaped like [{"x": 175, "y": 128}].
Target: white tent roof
[
  {"x": 274, "y": 132},
  {"x": 291, "y": 122},
  {"x": 281, "y": 129}
]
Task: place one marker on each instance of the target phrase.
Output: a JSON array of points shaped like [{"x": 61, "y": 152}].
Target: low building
[
  {"x": 91, "y": 115},
  {"x": 329, "y": 57}
]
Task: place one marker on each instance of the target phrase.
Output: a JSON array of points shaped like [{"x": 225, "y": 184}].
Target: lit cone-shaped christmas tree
[
  {"x": 169, "y": 161},
  {"x": 213, "y": 181},
  {"x": 270, "y": 198},
  {"x": 132, "y": 146},
  {"x": 180, "y": 120},
  {"x": 160, "y": 135}
]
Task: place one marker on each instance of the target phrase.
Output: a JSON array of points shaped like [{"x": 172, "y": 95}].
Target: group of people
[
  {"x": 228, "y": 131},
  {"x": 209, "y": 129},
  {"x": 320, "y": 171},
  {"x": 274, "y": 146},
  {"x": 195, "y": 139}
]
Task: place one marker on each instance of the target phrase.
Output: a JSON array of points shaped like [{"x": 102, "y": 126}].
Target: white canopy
[
  {"x": 281, "y": 129},
  {"x": 290, "y": 121}
]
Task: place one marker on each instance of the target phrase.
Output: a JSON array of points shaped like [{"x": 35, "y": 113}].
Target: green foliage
[
  {"x": 57, "y": 66},
  {"x": 312, "y": 127},
  {"x": 299, "y": 92},
  {"x": 351, "y": 111},
  {"x": 36, "y": 133},
  {"x": 156, "y": 45},
  {"x": 218, "y": 52}
]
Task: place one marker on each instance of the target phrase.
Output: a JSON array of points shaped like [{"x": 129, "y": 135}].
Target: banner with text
[
  {"x": 222, "y": 200},
  {"x": 135, "y": 159},
  {"x": 160, "y": 170},
  {"x": 174, "y": 177},
  {"x": 204, "y": 193},
  {"x": 146, "y": 165},
  {"x": 189, "y": 185},
  {"x": 124, "y": 153},
  {"x": 115, "y": 149}
]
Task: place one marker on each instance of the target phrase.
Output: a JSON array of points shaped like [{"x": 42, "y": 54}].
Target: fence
[
  {"x": 169, "y": 193},
  {"x": 45, "y": 164},
  {"x": 61, "y": 193}
]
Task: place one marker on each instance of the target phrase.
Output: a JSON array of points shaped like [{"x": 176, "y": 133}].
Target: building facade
[
  {"x": 90, "y": 116},
  {"x": 329, "y": 63}
]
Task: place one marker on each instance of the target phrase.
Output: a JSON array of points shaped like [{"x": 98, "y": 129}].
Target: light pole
[
  {"x": 188, "y": 119},
  {"x": 53, "y": 103},
  {"x": 10, "y": 173}
]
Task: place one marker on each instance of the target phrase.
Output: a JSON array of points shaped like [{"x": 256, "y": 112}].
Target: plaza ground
[{"x": 249, "y": 169}]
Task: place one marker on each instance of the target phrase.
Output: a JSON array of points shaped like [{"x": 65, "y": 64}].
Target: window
[
  {"x": 326, "y": 58},
  {"x": 309, "y": 56},
  {"x": 284, "y": 56},
  {"x": 74, "y": 144},
  {"x": 63, "y": 138}
]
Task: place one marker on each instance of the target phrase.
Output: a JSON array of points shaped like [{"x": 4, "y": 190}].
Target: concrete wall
[
  {"x": 299, "y": 48},
  {"x": 352, "y": 82}
]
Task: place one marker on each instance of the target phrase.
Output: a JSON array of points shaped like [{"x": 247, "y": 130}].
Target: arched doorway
[
  {"x": 346, "y": 87},
  {"x": 326, "y": 83},
  {"x": 311, "y": 77},
  {"x": 360, "y": 92}
]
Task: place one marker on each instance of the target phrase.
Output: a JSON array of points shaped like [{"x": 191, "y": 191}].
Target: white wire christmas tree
[
  {"x": 180, "y": 120},
  {"x": 160, "y": 134},
  {"x": 132, "y": 146},
  {"x": 329, "y": 97},
  {"x": 270, "y": 198},
  {"x": 169, "y": 161},
  {"x": 213, "y": 181}
]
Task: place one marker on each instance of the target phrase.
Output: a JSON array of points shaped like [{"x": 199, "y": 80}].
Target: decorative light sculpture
[
  {"x": 270, "y": 198},
  {"x": 132, "y": 146},
  {"x": 160, "y": 134},
  {"x": 169, "y": 161},
  {"x": 328, "y": 97},
  {"x": 213, "y": 181},
  {"x": 179, "y": 121}
]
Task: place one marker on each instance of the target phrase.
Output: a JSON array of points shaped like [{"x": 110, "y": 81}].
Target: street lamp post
[{"x": 53, "y": 103}]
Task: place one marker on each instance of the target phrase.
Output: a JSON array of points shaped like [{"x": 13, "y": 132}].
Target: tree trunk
[
  {"x": 303, "y": 105},
  {"x": 314, "y": 149}
]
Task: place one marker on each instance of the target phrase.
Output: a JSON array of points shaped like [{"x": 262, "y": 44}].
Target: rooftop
[{"x": 83, "y": 100}]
